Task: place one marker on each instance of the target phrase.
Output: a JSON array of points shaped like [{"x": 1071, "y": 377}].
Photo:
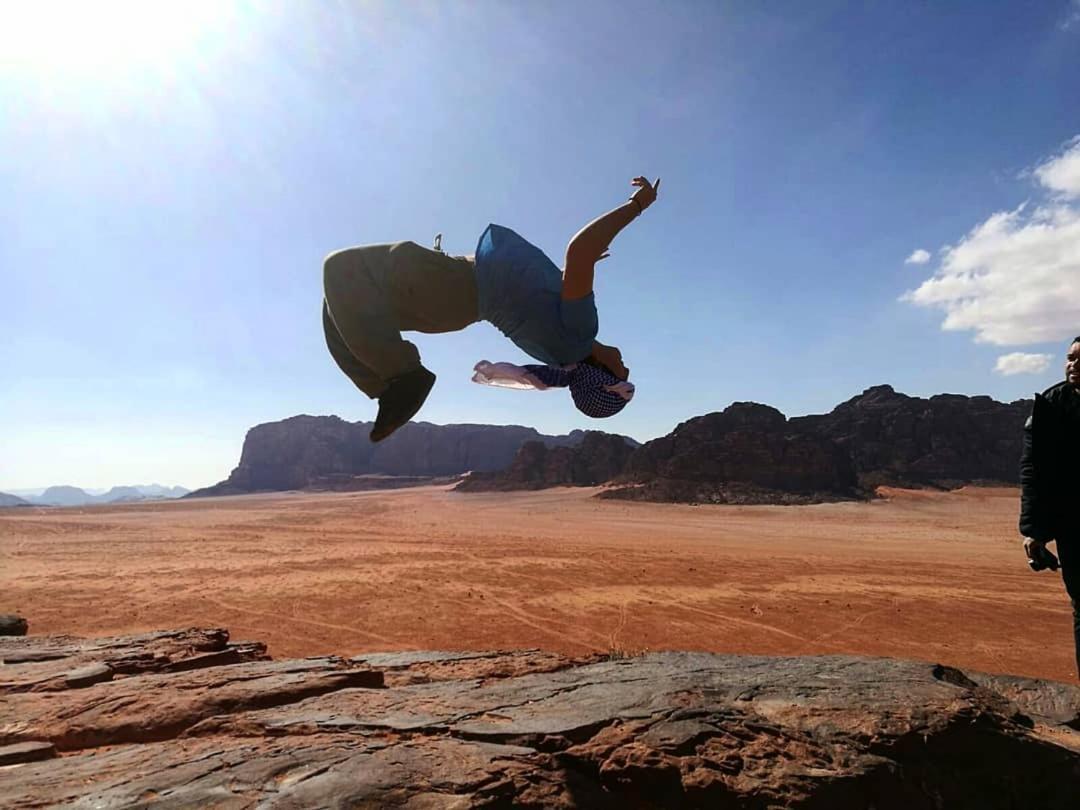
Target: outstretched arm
[{"x": 590, "y": 244}]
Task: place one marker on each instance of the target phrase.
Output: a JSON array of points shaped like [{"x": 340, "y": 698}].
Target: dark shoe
[{"x": 400, "y": 402}]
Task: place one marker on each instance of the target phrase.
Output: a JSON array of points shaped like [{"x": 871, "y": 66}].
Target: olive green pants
[{"x": 374, "y": 293}]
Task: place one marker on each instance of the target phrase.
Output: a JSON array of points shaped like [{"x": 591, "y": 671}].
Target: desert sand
[{"x": 922, "y": 575}]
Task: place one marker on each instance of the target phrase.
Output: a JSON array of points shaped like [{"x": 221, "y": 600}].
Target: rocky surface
[
  {"x": 19, "y": 753},
  {"x": 944, "y": 441},
  {"x": 748, "y": 453},
  {"x": 597, "y": 459},
  {"x": 531, "y": 729},
  {"x": 43, "y": 663},
  {"x": 326, "y": 452}
]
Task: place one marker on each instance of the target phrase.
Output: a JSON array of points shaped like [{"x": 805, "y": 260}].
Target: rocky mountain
[
  {"x": 945, "y": 441},
  {"x": 63, "y": 496},
  {"x": 142, "y": 492},
  {"x": 747, "y": 453},
  {"x": 187, "y": 719},
  {"x": 157, "y": 490},
  {"x": 598, "y": 458},
  {"x": 751, "y": 453},
  {"x": 12, "y": 500},
  {"x": 122, "y": 494},
  {"x": 326, "y": 452}
]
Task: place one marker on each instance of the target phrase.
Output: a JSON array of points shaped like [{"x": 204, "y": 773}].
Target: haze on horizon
[{"x": 851, "y": 196}]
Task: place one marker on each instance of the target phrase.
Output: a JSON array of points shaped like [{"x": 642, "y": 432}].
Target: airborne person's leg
[
  {"x": 374, "y": 292},
  {"x": 357, "y": 289}
]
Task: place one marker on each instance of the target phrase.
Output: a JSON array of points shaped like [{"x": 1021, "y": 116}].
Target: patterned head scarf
[{"x": 596, "y": 391}]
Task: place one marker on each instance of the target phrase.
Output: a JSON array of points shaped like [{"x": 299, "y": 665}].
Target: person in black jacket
[{"x": 1050, "y": 482}]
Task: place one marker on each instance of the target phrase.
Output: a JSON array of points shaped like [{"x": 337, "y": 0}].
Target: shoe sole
[{"x": 387, "y": 431}]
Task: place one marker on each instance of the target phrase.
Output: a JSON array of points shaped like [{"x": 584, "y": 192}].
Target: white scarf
[{"x": 508, "y": 375}]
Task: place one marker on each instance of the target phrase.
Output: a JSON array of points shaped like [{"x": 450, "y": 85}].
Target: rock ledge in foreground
[{"x": 189, "y": 719}]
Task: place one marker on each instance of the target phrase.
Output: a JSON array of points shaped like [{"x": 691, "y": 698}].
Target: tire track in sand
[
  {"x": 660, "y": 601},
  {"x": 535, "y": 623},
  {"x": 281, "y": 617},
  {"x": 851, "y": 625},
  {"x": 724, "y": 617}
]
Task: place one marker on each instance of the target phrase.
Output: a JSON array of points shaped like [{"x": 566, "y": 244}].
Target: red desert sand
[{"x": 923, "y": 575}]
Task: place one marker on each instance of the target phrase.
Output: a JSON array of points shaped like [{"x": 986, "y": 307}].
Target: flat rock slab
[
  {"x": 160, "y": 706},
  {"x": 43, "y": 663},
  {"x": 26, "y": 752},
  {"x": 531, "y": 729},
  {"x": 426, "y": 666},
  {"x": 88, "y": 675}
]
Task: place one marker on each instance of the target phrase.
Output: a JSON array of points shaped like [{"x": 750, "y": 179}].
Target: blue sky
[{"x": 174, "y": 174}]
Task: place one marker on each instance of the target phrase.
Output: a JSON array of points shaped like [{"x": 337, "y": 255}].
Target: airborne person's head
[{"x": 596, "y": 392}]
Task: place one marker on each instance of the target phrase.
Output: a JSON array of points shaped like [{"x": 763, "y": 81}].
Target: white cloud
[
  {"x": 919, "y": 256},
  {"x": 1072, "y": 16},
  {"x": 1021, "y": 363},
  {"x": 1061, "y": 173},
  {"x": 1015, "y": 278}
]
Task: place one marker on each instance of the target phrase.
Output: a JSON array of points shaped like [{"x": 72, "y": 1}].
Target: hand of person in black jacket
[{"x": 1039, "y": 556}]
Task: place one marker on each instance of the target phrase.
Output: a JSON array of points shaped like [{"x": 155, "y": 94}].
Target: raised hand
[{"x": 646, "y": 191}]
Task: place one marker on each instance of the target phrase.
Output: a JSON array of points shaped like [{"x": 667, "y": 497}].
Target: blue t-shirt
[{"x": 520, "y": 292}]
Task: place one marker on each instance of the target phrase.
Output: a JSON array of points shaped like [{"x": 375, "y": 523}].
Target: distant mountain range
[
  {"x": 73, "y": 496},
  {"x": 328, "y": 453},
  {"x": 752, "y": 453},
  {"x": 747, "y": 453}
]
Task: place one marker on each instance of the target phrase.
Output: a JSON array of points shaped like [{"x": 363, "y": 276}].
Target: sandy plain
[{"x": 925, "y": 575}]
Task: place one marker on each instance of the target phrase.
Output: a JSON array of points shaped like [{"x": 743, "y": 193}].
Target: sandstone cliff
[
  {"x": 598, "y": 458},
  {"x": 325, "y": 451},
  {"x": 946, "y": 440},
  {"x": 747, "y": 453},
  {"x": 751, "y": 453}
]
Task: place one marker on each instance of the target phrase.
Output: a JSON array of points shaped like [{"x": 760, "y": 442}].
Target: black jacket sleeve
[{"x": 1034, "y": 521}]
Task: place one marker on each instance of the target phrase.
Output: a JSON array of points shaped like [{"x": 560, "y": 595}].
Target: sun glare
[{"x": 91, "y": 39}]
